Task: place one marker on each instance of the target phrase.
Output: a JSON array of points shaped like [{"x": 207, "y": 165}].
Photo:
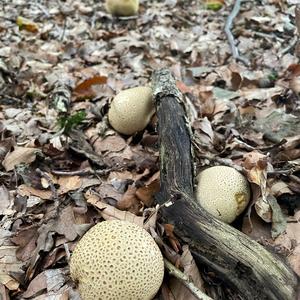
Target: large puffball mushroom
[
  {"x": 122, "y": 7},
  {"x": 131, "y": 110},
  {"x": 117, "y": 260},
  {"x": 223, "y": 192}
]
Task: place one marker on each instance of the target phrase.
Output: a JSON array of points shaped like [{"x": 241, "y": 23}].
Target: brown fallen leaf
[
  {"x": 255, "y": 164},
  {"x": 25, "y": 239},
  {"x": 112, "y": 143},
  {"x": 85, "y": 88},
  {"x": 25, "y": 190},
  {"x": 68, "y": 183},
  {"x": 147, "y": 192},
  {"x": 19, "y": 155},
  {"x": 279, "y": 188},
  {"x": 169, "y": 229},
  {"x": 109, "y": 212},
  {"x": 129, "y": 201},
  {"x": 64, "y": 225}
]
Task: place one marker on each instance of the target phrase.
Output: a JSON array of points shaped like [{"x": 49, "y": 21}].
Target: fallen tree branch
[
  {"x": 172, "y": 270},
  {"x": 240, "y": 262},
  {"x": 228, "y": 25}
]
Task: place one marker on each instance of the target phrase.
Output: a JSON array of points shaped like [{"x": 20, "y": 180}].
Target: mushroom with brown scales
[
  {"x": 131, "y": 110},
  {"x": 223, "y": 191},
  {"x": 117, "y": 260},
  {"x": 122, "y": 7}
]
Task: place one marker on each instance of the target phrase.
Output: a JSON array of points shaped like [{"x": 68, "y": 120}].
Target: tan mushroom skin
[
  {"x": 131, "y": 110},
  {"x": 117, "y": 260},
  {"x": 223, "y": 192},
  {"x": 122, "y": 7}
]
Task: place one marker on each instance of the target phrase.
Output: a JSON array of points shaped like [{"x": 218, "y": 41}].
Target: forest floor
[{"x": 63, "y": 171}]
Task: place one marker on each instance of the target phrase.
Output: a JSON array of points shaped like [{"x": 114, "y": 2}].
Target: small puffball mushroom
[
  {"x": 122, "y": 7},
  {"x": 117, "y": 260},
  {"x": 223, "y": 192},
  {"x": 131, "y": 110}
]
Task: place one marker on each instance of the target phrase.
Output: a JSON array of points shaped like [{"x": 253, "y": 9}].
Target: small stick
[
  {"x": 84, "y": 172},
  {"x": 290, "y": 46},
  {"x": 172, "y": 270},
  {"x": 228, "y": 25}
]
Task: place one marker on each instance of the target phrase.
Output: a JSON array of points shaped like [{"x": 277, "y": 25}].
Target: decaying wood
[{"x": 243, "y": 264}]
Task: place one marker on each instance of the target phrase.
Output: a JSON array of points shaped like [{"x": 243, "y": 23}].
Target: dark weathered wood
[{"x": 240, "y": 261}]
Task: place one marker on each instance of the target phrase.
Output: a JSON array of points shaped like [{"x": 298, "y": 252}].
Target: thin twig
[
  {"x": 185, "y": 281},
  {"x": 228, "y": 25},
  {"x": 127, "y": 18},
  {"x": 64, "y": 29},
  {"x": 85, "y": 172},
  {"x": 291, "y": 45}
]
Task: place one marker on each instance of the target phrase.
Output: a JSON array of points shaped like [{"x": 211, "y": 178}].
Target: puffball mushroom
[
  {"x": 122, "y": 7},
  {"x": 223, "y": 192},
  {"x": 117, "y": 260},
  {"x": 131, "y": 110}
]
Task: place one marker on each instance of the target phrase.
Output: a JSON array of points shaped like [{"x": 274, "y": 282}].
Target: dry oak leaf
[{"x": 19, "y": 155}]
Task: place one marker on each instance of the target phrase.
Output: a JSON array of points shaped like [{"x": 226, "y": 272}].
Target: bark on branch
[{"x": 241, "y": 262}]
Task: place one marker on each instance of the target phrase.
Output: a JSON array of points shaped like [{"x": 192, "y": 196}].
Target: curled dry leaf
[
  {"x": 129, "y": 201},
  {"x": 255, "y": 165},
  {"x": 86, "y": 89},
  {"x": 147, "y": 192},
  {"x": 169, "y": 229},
  {"x": 279, "y": 188}
]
